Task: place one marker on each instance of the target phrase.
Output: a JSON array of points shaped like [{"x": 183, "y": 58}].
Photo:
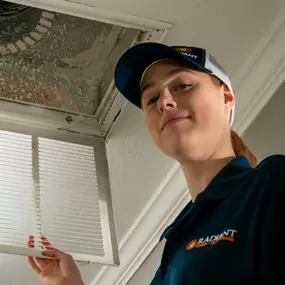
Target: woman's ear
[{"x": 229, "y": 98}]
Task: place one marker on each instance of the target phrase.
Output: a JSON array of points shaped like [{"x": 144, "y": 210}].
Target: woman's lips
[{"x": 173, "y": 120}]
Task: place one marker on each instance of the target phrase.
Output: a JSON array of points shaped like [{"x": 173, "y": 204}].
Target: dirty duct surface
[{"x": 57, "y": 60}]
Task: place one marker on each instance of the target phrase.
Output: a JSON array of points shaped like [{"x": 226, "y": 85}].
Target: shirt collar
[
  {"x": 224, "y": 183},
  {"x": 220, "y": 187}
]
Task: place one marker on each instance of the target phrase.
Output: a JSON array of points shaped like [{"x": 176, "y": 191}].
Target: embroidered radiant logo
[{"x": 228, "y": 235}]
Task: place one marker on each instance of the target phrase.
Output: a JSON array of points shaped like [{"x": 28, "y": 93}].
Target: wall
[
  {"x": 147, "y": 271},
  {"x": 266, "y": 135}
]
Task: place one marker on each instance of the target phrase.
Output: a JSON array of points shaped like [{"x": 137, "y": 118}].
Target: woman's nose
[{"x": 166, "y": 102}]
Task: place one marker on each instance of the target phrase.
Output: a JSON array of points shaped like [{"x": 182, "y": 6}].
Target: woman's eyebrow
[
  {"x": 146, "y": 86},
  {"x": 170, "y": 73}
]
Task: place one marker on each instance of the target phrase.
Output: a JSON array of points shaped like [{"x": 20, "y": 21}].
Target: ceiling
[{"x": 148, "y": 189}]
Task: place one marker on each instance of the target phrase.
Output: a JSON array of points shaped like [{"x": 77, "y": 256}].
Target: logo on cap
[{"x": 186, "y": 51}]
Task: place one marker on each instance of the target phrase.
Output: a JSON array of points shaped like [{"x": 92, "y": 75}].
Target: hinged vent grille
[{"x": 59, "y": 190}]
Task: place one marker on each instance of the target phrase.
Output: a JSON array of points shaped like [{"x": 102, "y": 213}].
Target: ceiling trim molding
[
  {"x": 261, "y": 75},
  {"x": 267, "y": 91},
  {"x": 165, "y": 205},
  {"x": 97, "y": 14}
]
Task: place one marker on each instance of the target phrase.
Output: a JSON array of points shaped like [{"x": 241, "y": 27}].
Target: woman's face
[{"x": 186, "y": 111}]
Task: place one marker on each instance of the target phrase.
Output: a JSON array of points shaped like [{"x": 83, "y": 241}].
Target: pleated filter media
[{"x": 59, "y": 190}]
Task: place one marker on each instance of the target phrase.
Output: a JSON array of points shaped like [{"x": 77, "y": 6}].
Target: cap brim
[{"x": 134, "y": 61}]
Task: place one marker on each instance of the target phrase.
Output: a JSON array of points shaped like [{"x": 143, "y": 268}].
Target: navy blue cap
[{"x": 135, "y": 61}]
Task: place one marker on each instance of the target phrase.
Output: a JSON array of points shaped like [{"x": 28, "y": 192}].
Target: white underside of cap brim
[{"x": 145, "y": 71}]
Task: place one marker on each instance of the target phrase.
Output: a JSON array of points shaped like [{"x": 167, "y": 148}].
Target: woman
[{"x": 230, "y": 232}]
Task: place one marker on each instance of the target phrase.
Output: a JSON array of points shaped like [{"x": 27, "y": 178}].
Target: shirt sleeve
[
  {"x": 157, "y": 280},
  {"x": 271, "y": 249}
]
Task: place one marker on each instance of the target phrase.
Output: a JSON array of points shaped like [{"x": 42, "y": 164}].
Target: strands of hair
[{"x": 240, "y": 148}]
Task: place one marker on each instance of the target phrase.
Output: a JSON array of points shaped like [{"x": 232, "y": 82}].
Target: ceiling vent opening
[
  {"x": 63, "y": 57},
  {"x": 11, "y": 10},
  {"x": 58, "y": 102},
  {"x": 57, "y": 60}
]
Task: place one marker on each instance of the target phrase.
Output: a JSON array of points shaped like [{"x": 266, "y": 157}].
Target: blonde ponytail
[{"x": 240, "y": 148}]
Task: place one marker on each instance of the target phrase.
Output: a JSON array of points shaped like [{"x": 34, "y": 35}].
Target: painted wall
[{"x": 266, "y": 135}]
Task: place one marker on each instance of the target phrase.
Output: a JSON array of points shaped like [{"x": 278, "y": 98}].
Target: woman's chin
[{"x": 180, "y": 147}]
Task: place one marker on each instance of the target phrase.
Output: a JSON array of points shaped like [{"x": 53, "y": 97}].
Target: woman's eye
[
  {"x": 152, "y": 101},
  {"x": 183, "y": 86}
]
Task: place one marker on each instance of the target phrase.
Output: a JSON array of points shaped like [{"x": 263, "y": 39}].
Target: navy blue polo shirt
[{"x": 233, "y": 232}]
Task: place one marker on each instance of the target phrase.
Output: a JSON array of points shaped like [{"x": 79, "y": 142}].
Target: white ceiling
[
  {"x": 147, "y": 189},
  {"x": 230, "y": 29}
]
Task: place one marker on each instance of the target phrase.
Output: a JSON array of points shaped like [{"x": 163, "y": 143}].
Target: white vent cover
[{"x": 59, "y": 190}]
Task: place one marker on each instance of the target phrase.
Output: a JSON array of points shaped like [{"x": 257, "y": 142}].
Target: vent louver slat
[{"x": 50, "y": 188}]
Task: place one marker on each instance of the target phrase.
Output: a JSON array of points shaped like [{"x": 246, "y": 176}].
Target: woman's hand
[{"x": 60, "y": 270}]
